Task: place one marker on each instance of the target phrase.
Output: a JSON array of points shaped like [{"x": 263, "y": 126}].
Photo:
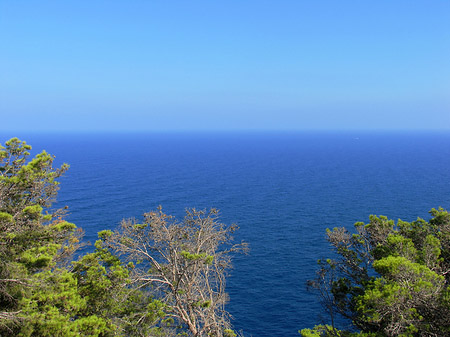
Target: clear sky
[{"x": 224, "y": 65}]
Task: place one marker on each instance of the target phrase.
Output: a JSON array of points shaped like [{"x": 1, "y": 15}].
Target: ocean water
[{"x": 282, "y": 189}]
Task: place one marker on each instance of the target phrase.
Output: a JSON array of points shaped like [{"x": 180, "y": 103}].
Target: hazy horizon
[{"x": 216, "y": 67}]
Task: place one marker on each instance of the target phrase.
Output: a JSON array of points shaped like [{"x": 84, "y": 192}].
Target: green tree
[
  {"x": 390, "y": 279},
  {"x": 179, "y": 283},
  {"x": 39, "y": 294},
  {"x": 32, "y": 238},
  {"x": 105, "y": 284}
]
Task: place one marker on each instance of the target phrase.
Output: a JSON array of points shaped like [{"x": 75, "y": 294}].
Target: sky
[{"x": 224, "y": 65}]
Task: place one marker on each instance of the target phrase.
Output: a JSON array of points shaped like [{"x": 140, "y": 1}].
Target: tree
[
  {"x": 184, "y": 264},
  {"x": 178, "y": 286},
  {"x": 40, "y": 295},
  {"x": 105, "y": 284},
  {"x": 30, "y": 240},
  {"x": 390, "y": 279}
]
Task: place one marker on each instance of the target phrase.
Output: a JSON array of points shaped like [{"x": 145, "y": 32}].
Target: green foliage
[
  {"x": 320, "y": 331},
  {"x": 56, "y": 307},
  {"x": 39, "y": 296},
  {"x": 31, "y": 241},
  {"x": 104, "y": 282},
  {"x": 6, "y": 218},
  {"x": 391, "y": 279},
  {"x": 229, "y": 333},
  {"x": 208, "y": 259},
  {"x": 43, "y": 293}
]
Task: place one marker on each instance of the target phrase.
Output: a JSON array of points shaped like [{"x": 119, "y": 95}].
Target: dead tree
[{"x": 184, "y": 263}]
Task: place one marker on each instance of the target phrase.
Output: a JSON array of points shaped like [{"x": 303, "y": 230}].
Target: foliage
[
  {"x": 39, "y": 294},
  {"x": 31, "y": 240},
  {"x": 178, "y": 286},
  {"x": 105, "y": 284},
  {"x": 54, "y": 307},
  {"x": 185, "y": 263},
  {"x": 391, "y": 279}
]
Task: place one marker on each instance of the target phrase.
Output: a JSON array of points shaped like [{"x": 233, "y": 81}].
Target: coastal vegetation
[
  {"x": 166, "y": 277},
  {"x": 161, "y": 277},
  {"x": 387, "y": 279}
]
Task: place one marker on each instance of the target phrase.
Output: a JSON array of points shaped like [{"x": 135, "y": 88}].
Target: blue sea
[{"x": 282, "y": 189}]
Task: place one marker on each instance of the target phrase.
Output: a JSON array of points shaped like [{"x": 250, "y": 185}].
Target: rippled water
[{"x": 283, "y": 190}]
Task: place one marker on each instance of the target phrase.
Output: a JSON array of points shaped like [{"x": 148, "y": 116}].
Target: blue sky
[{"x": 224, "y": 65}]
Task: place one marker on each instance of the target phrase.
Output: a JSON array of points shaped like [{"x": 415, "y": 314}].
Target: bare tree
[{"x": 184, "y": 263}]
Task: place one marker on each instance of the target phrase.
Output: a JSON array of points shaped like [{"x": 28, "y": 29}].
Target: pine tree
[{"x": 390, "y": 279}]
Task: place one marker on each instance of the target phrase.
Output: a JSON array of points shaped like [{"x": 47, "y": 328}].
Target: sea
[{"x": 283, "y": 190}]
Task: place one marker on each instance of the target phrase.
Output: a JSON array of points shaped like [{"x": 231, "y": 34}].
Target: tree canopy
[
  {"x": 389, "y": 278},
  {"x": 166, "y": 277},
  {"x": 171, "y": 280}
]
